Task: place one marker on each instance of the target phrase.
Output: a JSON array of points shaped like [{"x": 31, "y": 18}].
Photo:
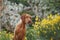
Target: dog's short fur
[{"x": 20, "y": 30}]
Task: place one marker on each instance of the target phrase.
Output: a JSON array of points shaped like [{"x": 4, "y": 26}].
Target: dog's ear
[{"x": 23, "y": 17}]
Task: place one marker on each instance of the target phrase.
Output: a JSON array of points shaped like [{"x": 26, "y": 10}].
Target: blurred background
[{"x": 45, "y": 16}]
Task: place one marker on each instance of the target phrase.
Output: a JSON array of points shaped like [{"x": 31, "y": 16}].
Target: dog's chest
[{"x": 21, "y": 31}]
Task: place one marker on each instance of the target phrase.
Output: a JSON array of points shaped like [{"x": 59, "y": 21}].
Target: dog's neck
[{"x": 21, "y": 23}]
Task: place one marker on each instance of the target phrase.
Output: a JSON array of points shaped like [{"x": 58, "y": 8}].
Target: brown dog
[{"x": 20, "y": 30}]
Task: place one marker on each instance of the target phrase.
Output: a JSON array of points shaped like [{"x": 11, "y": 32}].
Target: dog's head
[{"x": 26, "y": 18}]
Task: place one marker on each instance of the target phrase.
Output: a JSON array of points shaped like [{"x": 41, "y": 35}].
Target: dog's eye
[
  {"x": 26, "y": 17},
  {"x": 30, "y": 17}
]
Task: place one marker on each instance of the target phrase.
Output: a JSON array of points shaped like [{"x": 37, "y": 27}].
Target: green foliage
[
  {"x": 24, "y": 2},
  {"x": 4, "y": 36},
  {"x": 28, "y": 12},
  {"x": 54, "y": 4}
]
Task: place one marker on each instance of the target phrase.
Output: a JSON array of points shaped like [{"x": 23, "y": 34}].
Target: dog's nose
[{"x": 30, "y": 22}]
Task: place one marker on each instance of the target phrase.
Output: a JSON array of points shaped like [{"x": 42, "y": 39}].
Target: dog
[{"x": 20, "y": 29}]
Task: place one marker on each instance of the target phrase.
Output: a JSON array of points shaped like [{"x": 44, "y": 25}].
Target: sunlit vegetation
[{"x": 42, "y": 29}]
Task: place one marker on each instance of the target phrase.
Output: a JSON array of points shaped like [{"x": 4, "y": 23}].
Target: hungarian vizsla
[{"x": 20, "y": 29}]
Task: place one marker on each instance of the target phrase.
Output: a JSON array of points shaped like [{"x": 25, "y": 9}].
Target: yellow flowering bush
[{"x": 48, "y": 27}]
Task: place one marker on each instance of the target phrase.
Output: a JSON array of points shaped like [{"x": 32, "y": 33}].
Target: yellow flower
[
  {"x": 36, "y": 28},
  {"x": 36, "y": 22},
  {"x": 39, "y": 23},
  {"x": 11, "y": 36},
  {"x": 44, "y": 22},
  {"x": 50, "y": 15},
  {"x": 25, "y": 38},
  {"x": 36, "y": 25},
  {"x": 36, "y": 18},
  {"x": 51, "y": 38}
]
